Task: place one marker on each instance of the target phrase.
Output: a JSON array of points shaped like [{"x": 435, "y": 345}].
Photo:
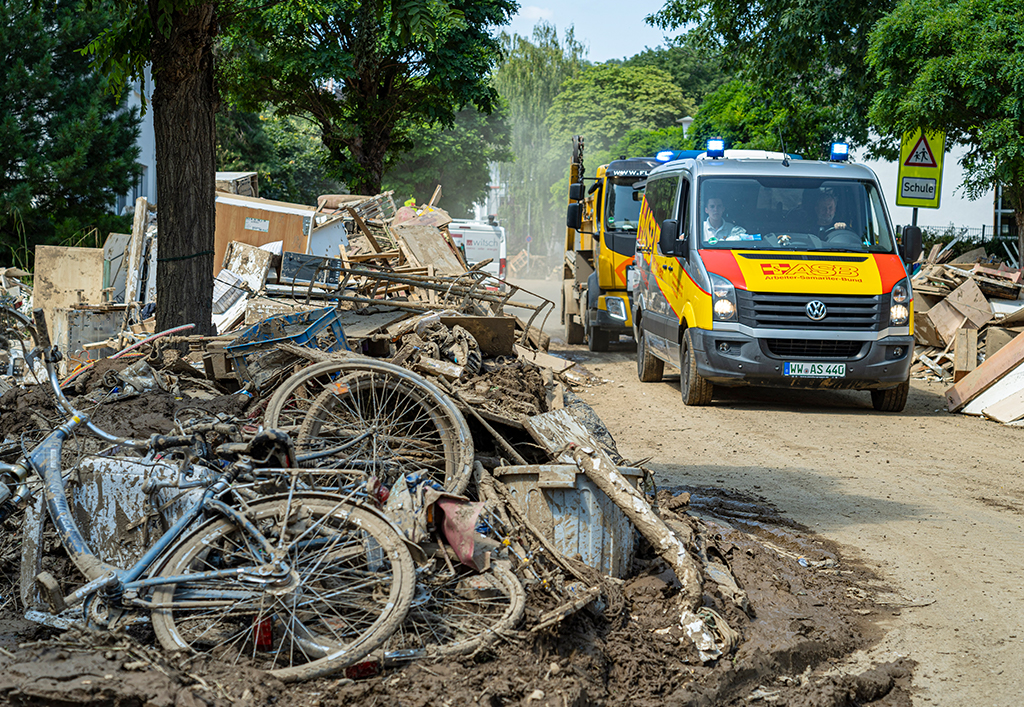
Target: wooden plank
[
  {"x": 978, "y": 380},
  {"x": 924, "y": 330},
  {"x": 946, "y": 319},
  {"x": 971, "y": 256},
  {"x": 1006, "y": 386},
  {"x": 969, "y": 301},
  {"x": 427, "y": 245},
  {"x": 933, "y": 254},
  {"x": 1009, "y": 409},
  {"x": 996, "y": 338},
  {"x": 360, "y": 326},
  {"x": 965, "y": 353},
  {"x": 544, "y": 360},
  {"x": 365, "y": 231},
  {"x": 134, "y": 259}
]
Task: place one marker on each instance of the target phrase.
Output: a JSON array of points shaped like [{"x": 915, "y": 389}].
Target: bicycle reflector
[
  {"x": 263, "y": 634},
  {"x": 716, "y": 147},
  {"x": 840, "y": 152}
]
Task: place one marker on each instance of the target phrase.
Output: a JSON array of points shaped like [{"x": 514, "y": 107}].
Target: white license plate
[
  {"x": 632, "y": 278},
  {"x": 815, "y": 370}
]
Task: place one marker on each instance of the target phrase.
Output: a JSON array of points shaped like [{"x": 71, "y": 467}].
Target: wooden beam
[
  {"x": 366, "y": 231},
  {"x": 978, "y": 380},
  {"x": 965, "y": 353}
]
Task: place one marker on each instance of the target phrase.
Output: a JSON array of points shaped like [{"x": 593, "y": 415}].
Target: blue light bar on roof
[
  {"x": 665, "y": 155},
  {"x": 840, "y": 152},
  {"x": 716, "y": 147}
]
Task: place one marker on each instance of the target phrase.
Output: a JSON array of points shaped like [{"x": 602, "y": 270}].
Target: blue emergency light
[
  {"x": 716, "y": 147},
  {"x": 840, "y": 152},
  {"x": 665, "y": 155}
]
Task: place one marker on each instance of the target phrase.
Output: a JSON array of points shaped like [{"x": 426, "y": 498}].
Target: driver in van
[
  {"x": 716, "y": 228},
  {"x": 825, "y": 213}
]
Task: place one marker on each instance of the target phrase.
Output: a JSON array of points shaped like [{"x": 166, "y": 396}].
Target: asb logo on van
[{"x": 823, "y": 271}]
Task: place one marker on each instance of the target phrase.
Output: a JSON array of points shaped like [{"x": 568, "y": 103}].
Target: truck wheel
[
  {"x": 891, "y": 400},
  {"x": 648, "y": 368},
  {"x": 597, "y": 339},
  {"x": 574, "y": 333},
  {"x": 696, "y": 389}
]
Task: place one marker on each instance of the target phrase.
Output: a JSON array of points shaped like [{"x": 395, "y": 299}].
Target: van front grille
[
  {"x": 814, "y": 348},
  {"x": 768, "y": 310}
]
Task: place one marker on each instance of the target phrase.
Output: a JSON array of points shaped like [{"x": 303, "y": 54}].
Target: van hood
[{"x": 806, "y": 272}]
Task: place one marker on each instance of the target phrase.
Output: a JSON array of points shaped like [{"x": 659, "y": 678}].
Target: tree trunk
[{"x": 184, "y": 104}]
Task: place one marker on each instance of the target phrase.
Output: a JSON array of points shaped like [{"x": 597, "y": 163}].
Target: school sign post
[{"x": 920, "y": 175}]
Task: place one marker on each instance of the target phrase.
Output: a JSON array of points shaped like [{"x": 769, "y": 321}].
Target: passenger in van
[
  {"x": 817, "y": 214},
  {"x": 716, "y": 228}
]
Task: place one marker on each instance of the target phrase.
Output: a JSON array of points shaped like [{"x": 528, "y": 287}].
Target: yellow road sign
[{"x": 920, "y": 177}]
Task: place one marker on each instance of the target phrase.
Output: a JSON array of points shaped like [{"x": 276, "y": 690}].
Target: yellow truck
[
  {"x": 758, "y": 269},
  {"x": 600, "y": 244}
]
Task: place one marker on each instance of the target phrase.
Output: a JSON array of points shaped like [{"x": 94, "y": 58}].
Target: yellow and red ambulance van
[{"x": 759, "y": 269}]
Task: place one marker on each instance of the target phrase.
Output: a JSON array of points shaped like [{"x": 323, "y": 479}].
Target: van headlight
[
  {"x": 616, "y": 308},
  {"x": 899, "y": 305},
  {"x": 723, "y": 299}
]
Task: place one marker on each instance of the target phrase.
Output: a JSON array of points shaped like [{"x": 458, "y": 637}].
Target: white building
[{"x": 145, "y": 185}]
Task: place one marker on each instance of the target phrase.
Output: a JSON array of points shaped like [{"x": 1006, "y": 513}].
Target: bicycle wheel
[
  {"x": 320, "y": 586},
  {"x": 377, "y": 417},
  {"x": 457, "y": 613}
]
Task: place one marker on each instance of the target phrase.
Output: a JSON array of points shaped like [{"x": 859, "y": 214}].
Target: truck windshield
[
  {"x": 793, "y": 213},
  {"x": 622, "y": 213}
]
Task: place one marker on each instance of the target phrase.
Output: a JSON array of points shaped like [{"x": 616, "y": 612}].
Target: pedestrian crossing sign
[{"x": 920, "y": 174}]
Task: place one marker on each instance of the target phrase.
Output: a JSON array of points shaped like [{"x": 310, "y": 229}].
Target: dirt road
[{"x": 933, "y": 501}]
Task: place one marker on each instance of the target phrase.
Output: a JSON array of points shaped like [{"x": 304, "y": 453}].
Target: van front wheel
[
  {"x": 891, "y": 400},
  {"x": 696, "y": 389}
]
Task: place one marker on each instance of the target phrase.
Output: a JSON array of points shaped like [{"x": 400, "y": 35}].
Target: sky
[{"x": 612, "y": 29}]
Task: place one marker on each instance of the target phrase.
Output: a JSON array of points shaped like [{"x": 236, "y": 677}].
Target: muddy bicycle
[{"x": 298, "y": 584}]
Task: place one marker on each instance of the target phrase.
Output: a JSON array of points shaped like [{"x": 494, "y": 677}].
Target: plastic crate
[{"x": 300, "y": 329}]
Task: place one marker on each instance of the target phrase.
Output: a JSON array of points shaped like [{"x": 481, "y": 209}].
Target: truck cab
[
  {"x": 600, "y": 245},
  {"x": 759, "y": 269}
]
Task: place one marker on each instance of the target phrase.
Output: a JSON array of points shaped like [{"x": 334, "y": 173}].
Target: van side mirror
[
  {"x": 910, "y": 249},
  {"x": 574, "y": 216},
  {"x": 669, "y": 242},
  {"x": 577, "y": 191}
]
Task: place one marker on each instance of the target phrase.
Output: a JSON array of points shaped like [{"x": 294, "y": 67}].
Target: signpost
[{"x": 920, "y": 176}]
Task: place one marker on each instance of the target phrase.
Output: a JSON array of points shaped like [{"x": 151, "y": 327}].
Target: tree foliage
[
  {"x": 957, "y": 67},
  {"x": 457, "y": 157},
  {"x": 366, "y": 72},
  {"x": 604, "y": 102},
  {"x": 285, "y": 151},
  {"x": 697, "y": 72},
  {"x": 68, "y": 146},
  {"x": 806, "y": 52},
  {"x": 529, "y": 78}
]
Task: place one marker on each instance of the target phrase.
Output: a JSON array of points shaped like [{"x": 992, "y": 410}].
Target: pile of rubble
[{"x": 968, "y": 317}]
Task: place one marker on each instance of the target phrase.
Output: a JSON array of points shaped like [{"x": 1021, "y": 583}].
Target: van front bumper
[
  {"x": 602, "y": 318},
  {"x": 732, "y": 358}
]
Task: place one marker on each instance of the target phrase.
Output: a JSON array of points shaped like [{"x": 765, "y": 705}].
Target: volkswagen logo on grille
[{"x": 816, "y": 310}]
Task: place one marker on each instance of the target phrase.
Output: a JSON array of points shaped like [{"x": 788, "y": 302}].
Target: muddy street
[{"x": 933, "y": 501}]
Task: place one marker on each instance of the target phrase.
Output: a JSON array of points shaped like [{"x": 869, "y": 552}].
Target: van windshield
[
  {"x": 793, "y": 213},
  {"x": 622, "y": 213}
]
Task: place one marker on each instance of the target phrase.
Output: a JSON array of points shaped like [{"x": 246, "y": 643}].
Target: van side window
[
  {"x": 684, "y": 208},
  {"x": 661, "y": 195}
]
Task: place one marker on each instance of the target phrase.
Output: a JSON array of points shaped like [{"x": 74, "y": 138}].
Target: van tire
[
  {"x": 892, "y": 399},
  {"x": 695, "y": 388},
  {"x": 649, "y": 368}
]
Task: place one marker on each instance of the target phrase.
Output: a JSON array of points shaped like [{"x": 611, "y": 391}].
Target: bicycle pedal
[{"x": 51, "y": 592}]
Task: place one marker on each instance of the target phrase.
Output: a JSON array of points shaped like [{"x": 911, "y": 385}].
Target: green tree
[
  {"x": 457, "y": 157},
  {"x": 696, "y": 71},
  {"x": 285, "y": 151},
  {"x": 957, "y": 67},
  {"x": 604, "y": 102},
  {"x": 802, "y": 53},
  {"x": 746, "y": 118},
  {"x": 366, "y": 73},
  {"x": 529, "y": 78},
  {"x": 648, "y": 143},
  {"x": 68, "y": 146}
]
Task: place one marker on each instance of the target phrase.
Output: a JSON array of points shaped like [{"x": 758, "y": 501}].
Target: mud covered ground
[{"x": 808, "y": 606}]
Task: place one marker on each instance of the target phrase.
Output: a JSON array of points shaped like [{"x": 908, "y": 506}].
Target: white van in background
[{"x": 479, "y": 241}]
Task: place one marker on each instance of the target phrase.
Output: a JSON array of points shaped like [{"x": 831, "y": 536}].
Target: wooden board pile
[{"x": 964, "y": 312}]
